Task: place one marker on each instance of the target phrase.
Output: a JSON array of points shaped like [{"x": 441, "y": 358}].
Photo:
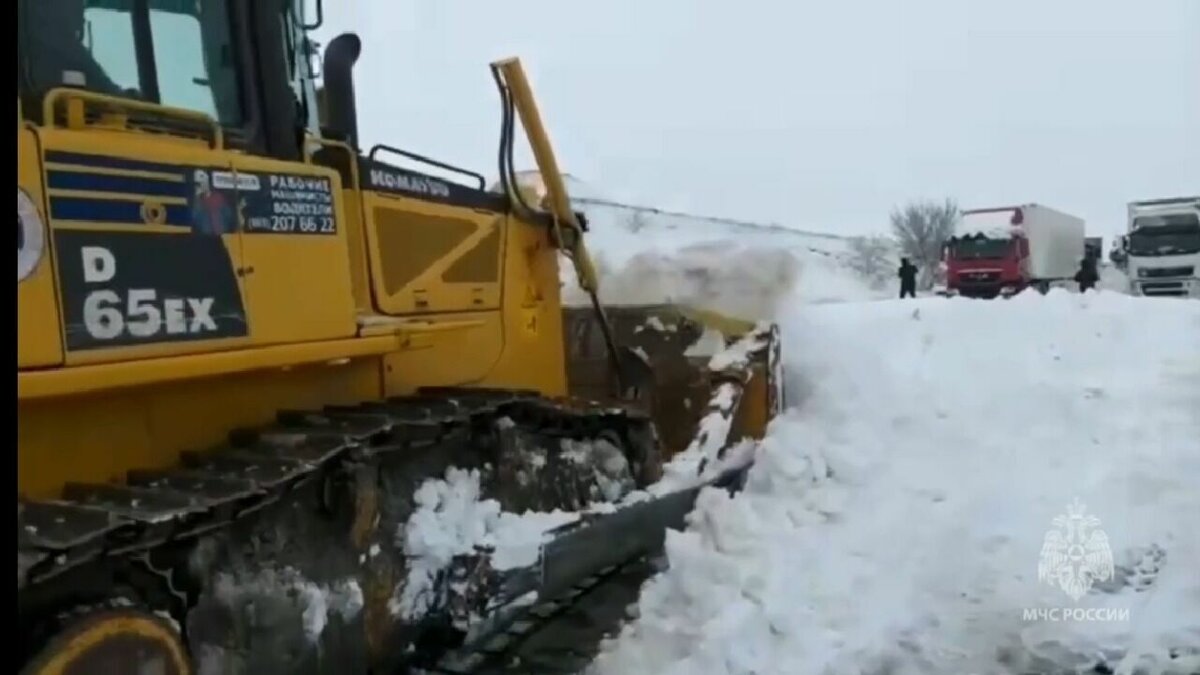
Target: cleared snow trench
[{"x": 954, "y": 473}]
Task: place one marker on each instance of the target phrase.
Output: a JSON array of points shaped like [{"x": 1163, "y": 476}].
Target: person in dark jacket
[
  {"x": 1087, "y": 276},
  {"x": 908, "y": 278}
]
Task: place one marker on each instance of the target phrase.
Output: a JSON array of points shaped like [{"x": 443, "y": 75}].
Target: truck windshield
[
  {"x": 980, "y": 249},
  {"x": 1184, "y": 220},
  {"x": 1178, "y": 238}
]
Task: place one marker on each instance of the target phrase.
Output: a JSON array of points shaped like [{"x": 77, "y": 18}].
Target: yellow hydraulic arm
[{"x": 568, "y": 231}]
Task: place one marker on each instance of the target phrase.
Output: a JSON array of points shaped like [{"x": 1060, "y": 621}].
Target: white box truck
[
  {"x": 1161, "y": 247},
  {"x": 1003, "y": 250}
]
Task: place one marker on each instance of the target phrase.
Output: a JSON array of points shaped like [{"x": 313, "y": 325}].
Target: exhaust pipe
[{"x": 340, "y": 56}]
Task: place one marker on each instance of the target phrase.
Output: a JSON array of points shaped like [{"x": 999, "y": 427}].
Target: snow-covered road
[{"x": 896, "y": 519}]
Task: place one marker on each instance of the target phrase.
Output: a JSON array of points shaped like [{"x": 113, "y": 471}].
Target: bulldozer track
[
  {"x": 128, "y": 535},
  {"x": 559, "y": 636}
]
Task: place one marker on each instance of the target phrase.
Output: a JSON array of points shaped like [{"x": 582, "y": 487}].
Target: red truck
[{"x": 1003, "y": 250}]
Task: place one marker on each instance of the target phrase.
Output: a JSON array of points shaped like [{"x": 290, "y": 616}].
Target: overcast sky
[{"x": 819, "y": 115}]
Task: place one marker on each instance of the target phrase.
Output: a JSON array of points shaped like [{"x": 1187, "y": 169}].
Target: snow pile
[
  {"x": 703, "y": 460},
  {"x": 647, "y": 255},
  {"x": 621, "y": 231},
  {"x": 737, "y": 356},
  {"x": 746, "y": 277},
  {"x": 1113, "y": 279},
  {"x": 895, "y": 522},
  {"x": 451, "y": 520},
  {"x": 744, "y": 282}
]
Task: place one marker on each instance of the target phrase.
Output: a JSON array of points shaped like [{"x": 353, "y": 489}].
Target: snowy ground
[
  {"x": 895, "y": 520},
  {"x": 1113, "y": 279}
]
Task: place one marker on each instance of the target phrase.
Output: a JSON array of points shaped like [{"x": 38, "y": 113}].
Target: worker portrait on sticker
[{"x": 213, "y": 210}]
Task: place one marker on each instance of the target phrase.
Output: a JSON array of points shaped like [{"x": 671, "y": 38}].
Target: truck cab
[
  {"x": 1162, "y": 247},
  {"x": 985, "y": 263}
]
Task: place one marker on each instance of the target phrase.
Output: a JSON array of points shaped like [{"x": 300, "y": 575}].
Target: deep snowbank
[
  {"x": 747, "y": 275},
  {"x": 1113, "y": 279},
  {"x": 746, "y": 283},
  {"x": 645, "y": 255},
  {"x": 895, "y": 521}
]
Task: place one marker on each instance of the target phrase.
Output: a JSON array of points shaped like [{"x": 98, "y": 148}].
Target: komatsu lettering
[
  {"x": 409, "y": 183},
  {"x": 138, "y": 312}
]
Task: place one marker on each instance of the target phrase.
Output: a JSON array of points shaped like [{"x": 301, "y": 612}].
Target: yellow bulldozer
[{"x": 246, "y": 344}]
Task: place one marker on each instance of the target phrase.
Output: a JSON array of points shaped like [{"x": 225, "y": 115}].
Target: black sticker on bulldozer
[
  {"x": 128, "y": 288},
  {"x": 270, "y": 203}
]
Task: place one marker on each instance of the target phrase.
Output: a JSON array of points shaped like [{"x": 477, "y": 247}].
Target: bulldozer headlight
[{"x": 31, "y": 236}]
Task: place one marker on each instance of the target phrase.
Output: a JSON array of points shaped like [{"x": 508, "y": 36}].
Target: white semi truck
[{"x": 1161, "y": 247}]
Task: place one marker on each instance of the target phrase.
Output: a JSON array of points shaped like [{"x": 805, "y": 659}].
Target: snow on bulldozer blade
[
  {"x": 964, "y": 487},
  {"x": 482, "y": 569}
]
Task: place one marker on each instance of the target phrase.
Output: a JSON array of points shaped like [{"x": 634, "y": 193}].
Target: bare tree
[
  {"x": 921, "y": 228},
  {"x": 873, "y": 258}
]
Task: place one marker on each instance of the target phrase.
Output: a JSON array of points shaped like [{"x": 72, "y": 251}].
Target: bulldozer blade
[
  {"x": 670, "y": 351},
  {"x": 582, "y": 549},
  {"x": 707, "y": 382},
  {"x": 711, "y": 382}
]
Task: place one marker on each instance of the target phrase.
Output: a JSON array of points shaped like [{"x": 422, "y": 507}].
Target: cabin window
[{"x": 178, "y": 53}]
